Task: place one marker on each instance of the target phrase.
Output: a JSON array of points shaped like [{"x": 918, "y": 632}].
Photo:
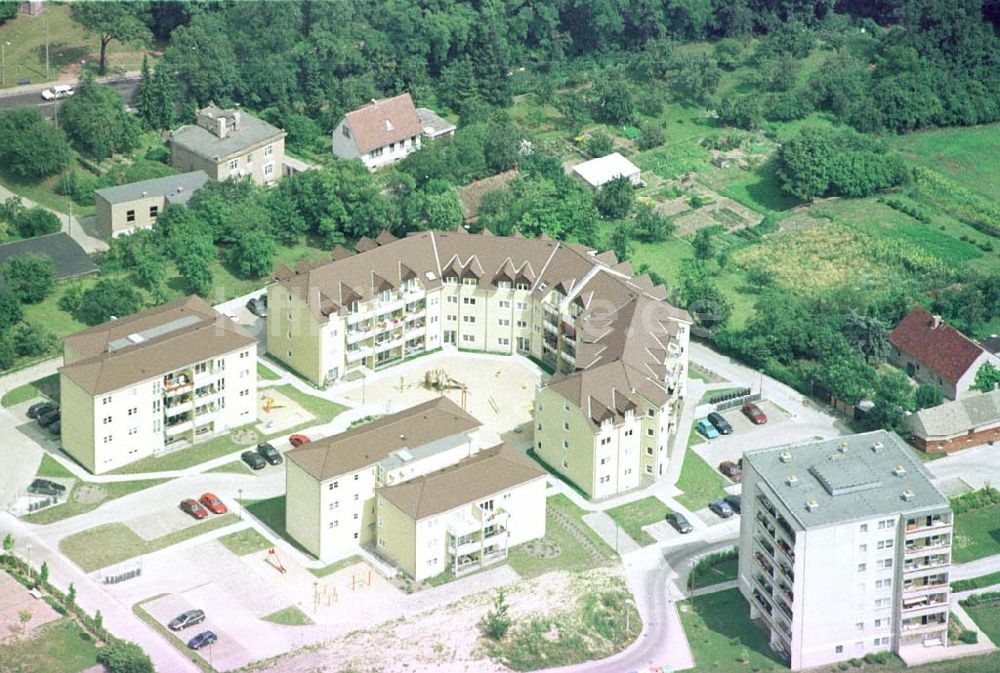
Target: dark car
[
  {"x": 680, "y": 522},
  {"x": 48, "y": 418},
  {"x": 191, "y": 506},
  {"x": 56, "y": 428},
  {"x": 186, "y": 619},
  {"x": 39, "y": 408},
  {"x": 754, "y": 413},
  {"x": 720, "y": 423},
  {"x": 202, "y": 639},
  {"x": 734, "y": 502},
  {"x": 258, "y": 307},
  {"x": 253, "y": 460},
  {"x": 731, "y": 470},
  {"x": 269, "y": 453},
  {"x": 46, "y": 487},
  {"x": 721, "y": 507}
]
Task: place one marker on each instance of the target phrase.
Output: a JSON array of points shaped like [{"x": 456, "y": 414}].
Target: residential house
[
  {"x": 968, "y": 421},
  {"x": 932, "y": 351},
  {"x": 597, "y": 172},
  {"x": 229, "y": 144},
  {"x": 125, "y": 209},
  {"x": 380, "y": 133},
  {"x": 845, "y": 549},
  {"x": 159, "y": 380},
  {"x": 470, "y": 197}
]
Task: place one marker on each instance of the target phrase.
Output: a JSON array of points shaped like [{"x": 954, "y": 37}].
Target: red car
[
  {"x": 212, "y": 503},
  {"x": 754, "y": 413},
  {"x": 298, "y": 440},
  {"x": 731, "y": 470},
  {"x": 191, "y": 506}
]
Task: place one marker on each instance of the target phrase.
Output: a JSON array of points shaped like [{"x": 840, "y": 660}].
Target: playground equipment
[
  {"x": 438, "y": 380},
  {"x": 276, "y": 563},
  {"x": 270, "y": 404}
]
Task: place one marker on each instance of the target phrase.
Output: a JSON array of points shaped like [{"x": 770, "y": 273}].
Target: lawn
[
  {"x": 977, "y": 534},
  {"x": 967, "y": 155},
  {"x": 50, "y": 467},
  {"x": 266, "y": 373},
  {"x": 634, "y": 515},
  {"x": 573, "y": 554},
  {"x": 699, "y": 482},
  {"x": 60, "y": 646},
  {"x": 44, "y": 387},
  {"x": 336, "y": 566},
  {"x": 322, "y": 409},
  {"x": 987, "y": 618},
  {"x": 184, "y": 458},
  {"x": 271, "y": 513},
  {"x": 235, "y": 467},
  {"x": 290, "y": 616},
  {"x": 976, "y": 582},
  {"x": 715, "y": 569},
  {"x": 243, "y": 542},
  {"x": 112, "y": 543}
]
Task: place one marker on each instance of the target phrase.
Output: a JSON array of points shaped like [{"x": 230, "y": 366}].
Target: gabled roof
[
  {"x": 383, "y": 121},
  {"x": 952, "y": 419},
  {"x": 371, "y": 442},
  {"x": 935, "y": 344},
  {"x": 489, "y": 472}
]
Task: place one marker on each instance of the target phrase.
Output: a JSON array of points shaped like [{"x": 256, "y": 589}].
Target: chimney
[
  {"x": 811, "y": 505},
  {"x": 899, "y": 471},
  {"x": 785, "y": 457},
  {"x": 877, "y": 447},
  {"x": 792, "y": 480},
  {"x": 908, "y": 495},
  {"x": 145, "y": 193},
  {"x": 935, "y": 321},
  {"x": 221, "y": 132}
]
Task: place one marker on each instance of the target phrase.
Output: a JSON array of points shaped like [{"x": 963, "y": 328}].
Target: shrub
[
  {"x": 969, "y": 637},
  {"x": 124, "y": 657},
  {"x": 158, "y": 153},
  {"x": 910, "y": 209},
  {"x": 599, "y": 144},
  {"x": 978, "y": 599},
  {"x": 497, "y": 622},
  {"x": 650, "y": 135},
  {"x": 984, "y": 497},
  {"x": 37, "y": 222}
]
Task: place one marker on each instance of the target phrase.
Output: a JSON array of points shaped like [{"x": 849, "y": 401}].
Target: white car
[{"x": 58, "y": 91}]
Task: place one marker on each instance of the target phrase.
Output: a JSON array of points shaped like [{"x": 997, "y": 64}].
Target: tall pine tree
[
  {"x": 164, "y": 95},
  {"x": 144, "y": 101}
]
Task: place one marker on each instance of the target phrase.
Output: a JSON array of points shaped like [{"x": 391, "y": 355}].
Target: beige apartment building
[
  {"x": 331, "y": 482},
  {"x": 229, "y": 144},
  {"x": 611, "y": 337},
  {"x": 153, "y": 382},
  {"x": 463, "y": 517},
  {"x": 125, "y": 209}
]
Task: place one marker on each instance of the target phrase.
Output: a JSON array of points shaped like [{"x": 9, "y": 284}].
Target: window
[
  {"x": 863, "y": 548},
  {"x": 107, "y": 419},
  {"x": 234, "y": 164},
  {"x": 377, "y": 152},
  {"x": 885, "y": 544},
  {"x": 452, "y": 318},
  {"x": 335, "y": 504},
  {"x": 522, "y": 324},
  {"x": 355, "y": 477},
  {"x": 355, "y": 515},
  {"x": 649, "y": 450},
  {"x": 650, "y": 412},
  {"x": 565, "y": 426},
  {"x": 355, "y": 496},
  {"x": 860, "y": 626},
  {"x": 469, "y": 318},
  {"x": 628, "y": 433},
  {"x": 566, "y": 446},
  {"x": 521, "y": 305},
  {"x": 504, "y": 322},
  {"x": 503, "y": 341},
  {"x": 130, "y": 216},
  {"x": 884, "y": 563},
  {"x": 153, "y": 212},
  {"x": 504, "y": 304},
  {"x": 269, "y": 150},
  {"x": 469, "y": 300},
  {"x": 864, "y": 528},
  {"x": 881, "y": 603},
  {"x": 355, "y": 536},
  {"x": 649, "y": 432},
  {"x": 862, "y": 567},
  {"x": 452, "y": 299},
  {"x": 346, "y": 131},
  {"x": 334, "y": 524},
  {"x": 106, "y": 400},
  {"x": 839, "y": 649},
  {"x": 268, "y": 169},
  {"x": 565, "y": 464}
]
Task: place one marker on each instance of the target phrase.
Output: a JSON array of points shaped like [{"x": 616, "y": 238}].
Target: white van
[{"x": 58, "y": 91}]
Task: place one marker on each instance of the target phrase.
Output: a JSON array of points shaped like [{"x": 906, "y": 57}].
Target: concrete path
[
  {"x": 611, "y": 532},
  {"x": 976, "y": 466},
  {"x": 977, "y": 568}
]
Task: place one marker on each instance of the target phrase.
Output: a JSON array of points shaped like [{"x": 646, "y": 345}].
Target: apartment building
[
  {"x": 331, "y": 482},
  {"x": 463, "y": 517},
  {"x": 125, "y": 209},
  {"x": 153, "y": 382},
  {"x": 845, "y": 549},
  {"x": 229, "y": 144},
  {"x": 611, "y": 337}
]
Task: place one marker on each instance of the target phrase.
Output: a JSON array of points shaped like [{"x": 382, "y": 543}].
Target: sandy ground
[{"x": 13, "y": 599}]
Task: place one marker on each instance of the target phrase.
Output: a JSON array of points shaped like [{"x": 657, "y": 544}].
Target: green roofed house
[
  {"x": 124, "y": 209},
  {"x": 845, "y": 550}
]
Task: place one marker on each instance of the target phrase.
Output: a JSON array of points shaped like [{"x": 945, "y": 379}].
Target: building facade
[
  {"x": 845, "y": 549},
  {"x": 125, "y": 209},
  {"x": 380, "y": 133},
  {"x": 156, "y": 381},
  {"x": 970, "y": 421},
  {"x": 229, "y": 144}
]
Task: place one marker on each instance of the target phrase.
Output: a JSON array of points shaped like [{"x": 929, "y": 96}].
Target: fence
[
  {"x": 118, "y": 575},
  {"x": 734, "y": 399}
]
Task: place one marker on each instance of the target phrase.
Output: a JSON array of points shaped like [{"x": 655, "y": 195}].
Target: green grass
[
  {"x": 112, "y": 543},
  {"x": 634, "y": 515},
  {"x": 336, "y": 566},
  {"x": 572, "y": 555},
  {"x": 977, "y": 534},
  {"x": 50, "y": 467},
  {"x": 60, "y": 646},
  {"x": 76, "y": 503},
  {"x": 987, "y": 618},
  {"x": 266, "y": 373},
  {"x": 271, "y": 513},
  {"x": 760, "y": 190},
  {"x": 235, "y": 467},
  {"x": 290, "y": 616},
  {"x": 243, "y": 542},
  {"x": 322, "y": 409},
  {"x": 967, "y": 155},
  {"x": 714, "y": 569},
  {"x": 47, "y": 387},
  {"x": 184, "y": 458},
  {"x": 980, "y": 582},
  {"x": 699, "y": 482}
]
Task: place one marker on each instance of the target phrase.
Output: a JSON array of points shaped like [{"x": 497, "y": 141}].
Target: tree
[
  {"x": 23, "y": 616},
  {"x": 37, "y": 222},
  {"x": 502, "y": 144},
  {"x": 28, "y": 277},
  {"x": 96, "y": 121},
  {"x": 707, "y": 305},
  {"x": 43, "y": 573},
  {"x": 615, "y": 198},
  {"x": 497, "y": 621},
  {"x": 615, "y": 101},
  {"x": 695, "y": 76},
  {"x": 599, "y": 144},
  {"x": 892, "y": 396},
  {"x": 650, "y": 227},
  {"x": 122, "y": 656},
  {"x": 927, "y": 396},
  {"x": 10, "y": 310},
  {"x": 650, "y": 135},
  {"x": 149, "y": 266},
  {"x": 987, "y": 378},
  {"x": 109, "y": 297},
  {"x": 8, "y": 543},
  {"x": 8, "y": 10},
  {"x": 122, "y": 21},
  {"x": 704, "y": 246},
  {"x": 760, "y": 277},
  {"x": 620, "y": 237},
  {"x": 745, "y": 112},
  {"x": 143, "y": 97},
  {"x": 202, "y": 55},
  {"x": 31, "y": 340},
  {"x": 30, "y": 146},
  {"x": 164, "y": 94},
  {"x": 98, "y": 620},
  {"x": 253, "y": 253},
  {"x": 71, "y": 594},
  {"x": 868, "y": 335}
]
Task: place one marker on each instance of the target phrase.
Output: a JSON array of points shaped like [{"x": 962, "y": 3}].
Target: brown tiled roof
[
  {"x": 935, "y": 344},
  {"x": 489, "y": 472},
  {"x": 471, "y": 196},
  {"x": 367, "y": 444},
  {"x": 384, "y": 121},
  {"x": 99, "y": 362}
]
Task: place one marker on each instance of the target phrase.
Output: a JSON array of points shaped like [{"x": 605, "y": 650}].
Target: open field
[
  {"x": 720, "y": 634},
  {"x": 965, "y": 154},
  {"x": 634, "y": 515},
  {"x": 977, "y": 534},
  {"x": 57, "y": 647},
  {"x": 987, "y": 618}
]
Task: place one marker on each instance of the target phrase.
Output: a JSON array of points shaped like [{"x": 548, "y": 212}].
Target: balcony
[
  {"x": 359, "y": 354},
  {"x": 177, "y": 408},
  {"x": 764, "y": 564},
  {"x": 927, "y": 523},
  {"x": 178, "y": 428},
  {"x": 764, "y": 603},
  {"x": 355, "y": 335},
  {"x": 923, "y": 602},
  {"x": 936, "y": 543},
  {"x": 938, "y": 581},
  {"x": 935, "y": 561},
  {"x": 356, "y": 317},
  {"x": 389, "y": 344},
  {"x": 925, "y": 623},
  {"x": 550, "y": 328},
  {"x": 177, "y": 385},
  {"x": 567, "y": 357}
]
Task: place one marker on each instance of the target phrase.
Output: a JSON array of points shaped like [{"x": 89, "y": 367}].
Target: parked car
[
  {"x": 186, "y": 619},
  {"x": 735, "y": 502},
  {"x": 680, "y": 522},
  {"x": 39, "y": 408},
  {"x": 705, "y": 427},
  {"x": 721, "y": 507},
  {"x": 753, "y": 412},
  {"x": 298, "y": 440},
  {"x": 58, "y": 91},
  {"x": 731, "y": 470},
  {"x": 56, "y": 428},
  {"x": 253, "y": 460},
  {"x": 191, "y": 506},
  {"x": 720, "y": 423},
  {"x": 269, "y": 453},
  {"x": 211, "y": 502},
  {"x": 48, "y": 418},
  {"x": 46, "y": 487},
  {"x": 257, "y": 306},
  {"x": 202, "y": 639}
]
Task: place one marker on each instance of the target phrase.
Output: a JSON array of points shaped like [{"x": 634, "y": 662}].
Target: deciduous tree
[
  {"x": 31, "y": 146},
  {"x": 122, "y": 21},
  {"x": 30, "y": 278}
]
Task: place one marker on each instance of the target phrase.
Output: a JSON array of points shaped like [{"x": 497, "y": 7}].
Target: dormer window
[
  {"x": 504, "y": 284},
  {"x": 521, "y": 286},
  {"x": 384, "y": 297},
  {"x": 468, "y": 281},
  {"x": 353, "y": 307},
  {"x": 346, "y": 130}
]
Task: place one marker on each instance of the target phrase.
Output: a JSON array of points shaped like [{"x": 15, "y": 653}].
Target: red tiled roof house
[
  {"x": 379, "y": 133},
  {"x": 932, "y": 351}
]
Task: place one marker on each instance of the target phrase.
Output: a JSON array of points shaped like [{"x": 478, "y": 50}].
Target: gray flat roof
[
  {"x": 68, "y": 258},
  {"x": 176, "y": 188},
  {"x": 204, "y": 143},
  {"x": 843, "y": 479}
]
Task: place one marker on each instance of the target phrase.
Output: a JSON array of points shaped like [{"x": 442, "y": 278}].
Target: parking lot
[{"x": 779, "y": 429}]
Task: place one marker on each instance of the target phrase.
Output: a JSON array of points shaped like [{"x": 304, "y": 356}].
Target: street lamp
[
  {"x": 628, "y": 615},
  {"x": 240, "y": 500},
  {"x": 3, "y": 62},
  {"x": 315, "y": 596},
  {"x": 27, "y": 557}
]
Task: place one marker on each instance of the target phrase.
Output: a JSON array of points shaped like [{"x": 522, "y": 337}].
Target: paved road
[
  {"x": 31, "y": 94},
  {"x": 977, "y": 568}
]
